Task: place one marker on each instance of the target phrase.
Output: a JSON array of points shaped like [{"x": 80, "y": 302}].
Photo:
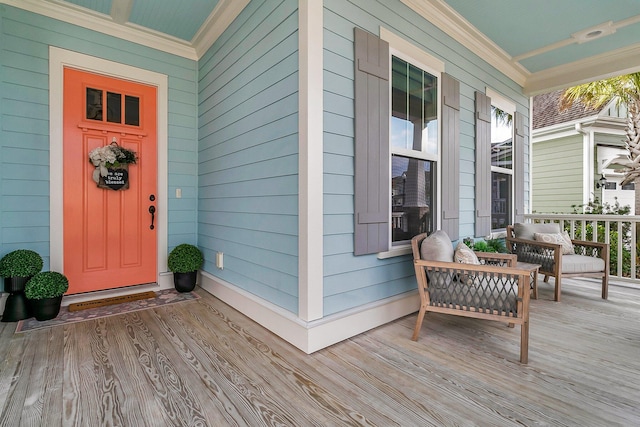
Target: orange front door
[{"x": 109, "y": 240}]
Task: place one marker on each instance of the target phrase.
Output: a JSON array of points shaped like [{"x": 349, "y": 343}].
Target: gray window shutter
[
  {"x": 450, "y": 156},
  {"x": 518, "y": 175},
  {"x": 483, "y": 165},
  {"x": 372, "y": 184}
]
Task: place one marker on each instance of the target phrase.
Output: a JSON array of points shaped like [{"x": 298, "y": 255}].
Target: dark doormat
[{"x": 163, "y": 297}]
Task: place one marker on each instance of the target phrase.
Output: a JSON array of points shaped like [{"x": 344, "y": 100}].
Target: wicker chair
[
  {"x": 491, "y": 290},
  {"x": 585, "y": 259}
]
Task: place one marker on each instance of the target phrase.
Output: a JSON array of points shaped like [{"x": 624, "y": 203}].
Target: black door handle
[{"x": 152, "y": 211}]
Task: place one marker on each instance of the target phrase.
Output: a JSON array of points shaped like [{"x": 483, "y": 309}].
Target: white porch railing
[{"x": 620, "y": 231}]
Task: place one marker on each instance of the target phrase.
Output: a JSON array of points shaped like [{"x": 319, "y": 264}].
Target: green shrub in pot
[
  {"x": 47, "y": 284},
  {"x": 20, "y": 263},
  {"x": 184, "y": 261},
  {"x": 44, "y": 292},
  {"x": 185, "y": 258}
]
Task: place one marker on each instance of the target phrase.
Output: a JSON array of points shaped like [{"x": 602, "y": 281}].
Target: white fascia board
[
  {"x": 225, "y": 12},
  {"x": 609, "y": 64},
  {"x": 220, "y": 18},
  {"x": 561, "y": 129},
  {"x": 452, "y": 23},
  {"x": 71, "y": 14},
  {"x": 611, "y": 131}
]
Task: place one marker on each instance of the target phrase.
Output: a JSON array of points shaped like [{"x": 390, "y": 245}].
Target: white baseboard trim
[{"x": 318, "y": 334}]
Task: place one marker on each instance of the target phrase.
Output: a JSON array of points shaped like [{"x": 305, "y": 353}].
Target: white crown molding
[
  {"x": 609, "y": 64},
  {"x": 451, "y": 22},
  {"x": 220, "y": 18},
  {"x": 86, "y": 18}
]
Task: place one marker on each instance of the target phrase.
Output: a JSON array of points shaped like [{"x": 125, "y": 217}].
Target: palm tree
[{"x": 626, "y": 91}]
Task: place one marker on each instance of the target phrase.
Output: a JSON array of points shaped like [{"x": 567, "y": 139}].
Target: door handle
[{"x": 152, "y": 211}]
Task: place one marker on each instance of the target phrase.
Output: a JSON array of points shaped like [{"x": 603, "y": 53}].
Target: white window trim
[{"x": 406, "y": 51}]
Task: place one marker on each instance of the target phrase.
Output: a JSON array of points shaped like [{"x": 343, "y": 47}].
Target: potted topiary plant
[
  {"x": 44, "y": 292},
  {"x": 184, "y": 261},
  {"x": 17, "y": 267}
]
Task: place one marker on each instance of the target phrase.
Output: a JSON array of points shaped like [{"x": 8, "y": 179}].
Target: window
[
  {"x": 96, "y": 98},
  {"x": 629, "y": 186},
  {"x": 414, "y": 145},
  {"x": 609, "y": 185},
  {"x": 501, "y": 164},
  {"x": 398, "y": 116}
]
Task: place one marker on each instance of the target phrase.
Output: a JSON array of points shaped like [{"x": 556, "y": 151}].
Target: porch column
[{"x": 310, "y": 166}]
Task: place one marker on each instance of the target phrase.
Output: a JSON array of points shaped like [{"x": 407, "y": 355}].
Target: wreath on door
[{"x": 112, "y": 166}]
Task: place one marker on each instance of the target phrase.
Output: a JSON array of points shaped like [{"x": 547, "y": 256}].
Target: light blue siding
[
  {"x": 248, "y": 153},
  {"x": 353, "y": 281},
  {"x": 24, "y": 124},
  {"x": 233, "y": 141}
]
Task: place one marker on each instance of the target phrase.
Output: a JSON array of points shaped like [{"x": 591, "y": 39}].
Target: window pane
[
  {"x": 500, "y": 200},
  {"x": 414, "y": 108},
  {"x": 132, "y": 110},
  {"x": 114, "y": 107},
  {"x": 94, "y": 104},
  {"x": 412, "y": 197},
  {"x": 501, "y": 138}
]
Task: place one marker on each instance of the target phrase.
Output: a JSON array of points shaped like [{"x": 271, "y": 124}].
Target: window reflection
[
  {"x": 132, "y": 110},
  {"x": 502, "y": 168},
  {"x": 412, "y": 197},
  {"x": 414, "y": 122},
  {"x": 94, "y": 104},
  {"x": 114, "y": 107},
  {"x": 500, "y": 200},
  {"x": 95, "y": 107}
]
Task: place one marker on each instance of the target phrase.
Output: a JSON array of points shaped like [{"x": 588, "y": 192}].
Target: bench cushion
[{"x": 581, "y": 264}]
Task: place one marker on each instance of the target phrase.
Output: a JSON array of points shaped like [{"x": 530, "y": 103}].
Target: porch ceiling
[{"x": 541, "y": 44}]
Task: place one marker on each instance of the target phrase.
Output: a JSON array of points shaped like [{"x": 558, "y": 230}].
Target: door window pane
[
  {"x": 132, "y": 110},
  {"x": 114, "y": 107},
  {"x": 94, "y": 104}
]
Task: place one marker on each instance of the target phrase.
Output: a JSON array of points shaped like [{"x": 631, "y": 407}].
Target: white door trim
[{"x": 58, "y": 59}]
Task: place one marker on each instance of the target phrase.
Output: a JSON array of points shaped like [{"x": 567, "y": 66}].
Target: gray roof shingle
[{"x": 546, "y": 110}]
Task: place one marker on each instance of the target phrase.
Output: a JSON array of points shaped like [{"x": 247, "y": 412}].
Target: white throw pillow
[
  {"x": 465, "y": 255},
  {"x": 437, "y": 247},
  {"x": 557, "y": 238}
]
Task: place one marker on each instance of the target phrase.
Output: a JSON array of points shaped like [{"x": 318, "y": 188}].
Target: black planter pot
[
  {"x": 185, "y": 282},
  {"x": 16, "y": 307},
  {"x": 46, "y": 308}
]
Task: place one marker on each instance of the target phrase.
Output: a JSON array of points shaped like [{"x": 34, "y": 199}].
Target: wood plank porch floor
[{"x": 202, "y": 363}]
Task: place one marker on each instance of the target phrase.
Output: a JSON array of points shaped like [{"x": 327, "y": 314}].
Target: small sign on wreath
[
  {"x": 116, "y": 179},
  {"x": 112, "y": 166}
]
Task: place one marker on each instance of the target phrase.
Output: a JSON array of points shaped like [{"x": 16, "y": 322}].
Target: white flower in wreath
[{"x": 109, "y": 156}]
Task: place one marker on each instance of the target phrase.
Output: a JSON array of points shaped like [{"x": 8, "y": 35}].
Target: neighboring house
[
  {"x": 573, "y": 150},
  {"x": 298, "y": 143}
]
